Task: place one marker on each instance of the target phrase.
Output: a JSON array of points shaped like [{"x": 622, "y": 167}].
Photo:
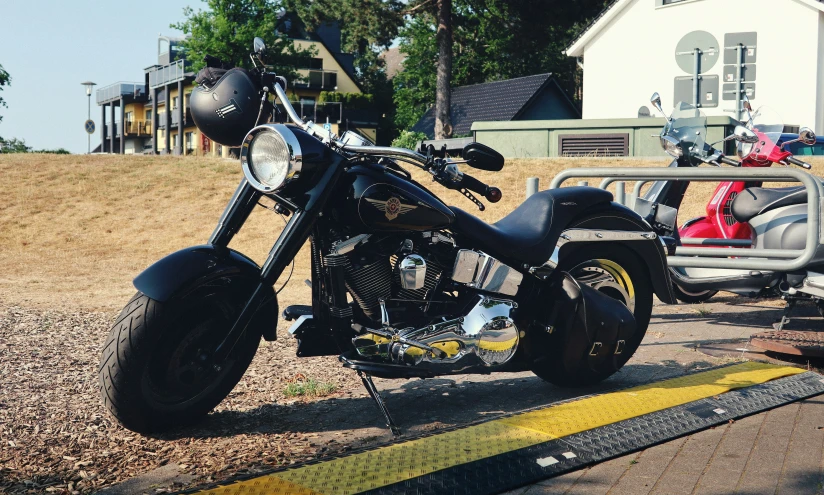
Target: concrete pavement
[{"x": 776, "y": 452}]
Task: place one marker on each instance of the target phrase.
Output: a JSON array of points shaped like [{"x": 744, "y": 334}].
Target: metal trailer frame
[{"x": 719, "y": 257}]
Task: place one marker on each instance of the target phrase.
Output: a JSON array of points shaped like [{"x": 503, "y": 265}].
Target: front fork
[{"x": 284, "y": 250}]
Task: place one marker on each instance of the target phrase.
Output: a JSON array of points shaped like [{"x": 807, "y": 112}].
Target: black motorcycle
[{"x": 403, "y": 286}]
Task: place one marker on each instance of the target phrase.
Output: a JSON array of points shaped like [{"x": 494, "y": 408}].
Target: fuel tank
[{"x": 384, "y": 201}]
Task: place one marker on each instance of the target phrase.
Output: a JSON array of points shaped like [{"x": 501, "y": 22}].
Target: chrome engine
[
  {"x": 438, "y": 330},
  {"x": 486, "y": 336}
]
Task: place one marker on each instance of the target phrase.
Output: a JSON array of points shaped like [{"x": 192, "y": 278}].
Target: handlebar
[
  {"x": 730, "y": 161},
  {"x": 492, "y": 194},
  {"x": 796, "y": 161}
]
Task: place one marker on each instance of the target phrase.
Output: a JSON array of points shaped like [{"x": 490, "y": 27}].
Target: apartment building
[{"x": 153, "y": 116}]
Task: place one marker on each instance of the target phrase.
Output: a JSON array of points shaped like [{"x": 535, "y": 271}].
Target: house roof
[
  {"x": 326, "y": 33},
  {"x": 393, "y": 60},
  {"x": 499, "y": 100},
  {"x": 602, "y": 20}
]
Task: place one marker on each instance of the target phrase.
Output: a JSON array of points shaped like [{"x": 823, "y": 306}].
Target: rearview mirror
[
  {"x": 806, "y": 136},
  {"x": 655, "y": 100},
  {"x": 482, "y": 157},
  {"x": 744, "y": 135},
  {"x": 258, "y": 45}
]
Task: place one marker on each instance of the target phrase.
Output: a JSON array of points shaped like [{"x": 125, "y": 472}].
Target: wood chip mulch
[{"x": 55, "y": 436}]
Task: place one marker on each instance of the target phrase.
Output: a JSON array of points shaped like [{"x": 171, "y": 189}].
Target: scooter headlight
[
  {"x": 743, "y": 149},
  {"x": 271, "y": 157},
  {"x": 672, "y": 146}
]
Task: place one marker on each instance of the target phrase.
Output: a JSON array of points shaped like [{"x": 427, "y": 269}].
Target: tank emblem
[{"x": 392, "y": 207}]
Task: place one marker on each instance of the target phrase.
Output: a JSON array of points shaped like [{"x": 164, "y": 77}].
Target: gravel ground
[{"x": 56, "y": 437}]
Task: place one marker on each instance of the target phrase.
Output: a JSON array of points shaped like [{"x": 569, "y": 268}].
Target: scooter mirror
[
  {"x": 807, "y": 136},
  {"x": 746, "y": 103},
  {"x": 744, "y": 135},
  {"x": 655, "y": 99}
]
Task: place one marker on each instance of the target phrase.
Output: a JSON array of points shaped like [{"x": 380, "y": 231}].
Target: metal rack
[{"x": 719, "y": 257}]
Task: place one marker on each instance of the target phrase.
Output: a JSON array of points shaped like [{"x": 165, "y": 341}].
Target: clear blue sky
[{"x": 50, "y": 46}]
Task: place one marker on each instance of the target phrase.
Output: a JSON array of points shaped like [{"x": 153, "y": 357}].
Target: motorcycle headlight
[
  {"x": 271, "y": 157},
  {"x": 672, "y": 146}
]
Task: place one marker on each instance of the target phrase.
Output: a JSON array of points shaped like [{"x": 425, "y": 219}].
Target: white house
[{"x": 637, "y": 47}]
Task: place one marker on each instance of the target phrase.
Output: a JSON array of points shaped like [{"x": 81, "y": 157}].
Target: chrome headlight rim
[
  {"x": 744, "y": 150},
  {"x": 295, "y": 156},
  {"x": 672, "y": 146}
]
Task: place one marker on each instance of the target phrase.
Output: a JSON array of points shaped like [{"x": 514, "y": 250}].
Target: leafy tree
[
  {"x": 227, "y": 28},
  {"x": 415, "y": 84},
  {"x": 368, "y": 25},
  {"x": 409, "y": 140},
  {"x": 5, "y": 80},
  {"x": 492, "y": 40},
  {"x": 14, "y": 145}
]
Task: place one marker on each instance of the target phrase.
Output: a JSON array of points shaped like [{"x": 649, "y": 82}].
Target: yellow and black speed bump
[{"x": 523, "y": 448}]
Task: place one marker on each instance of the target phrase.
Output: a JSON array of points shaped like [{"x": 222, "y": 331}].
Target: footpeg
[{"x": 294, "y": 312}]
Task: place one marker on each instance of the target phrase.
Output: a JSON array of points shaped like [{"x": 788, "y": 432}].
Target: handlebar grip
[
  {"x": 796, "y": 161},
  {"x": 730, "y": 161},
  {"x": 492, "y": 194}
]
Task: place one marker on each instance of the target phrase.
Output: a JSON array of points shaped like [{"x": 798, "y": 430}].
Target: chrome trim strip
[
  {"x": 348, "y": 245},
  {"x": 594, "y": 235}
]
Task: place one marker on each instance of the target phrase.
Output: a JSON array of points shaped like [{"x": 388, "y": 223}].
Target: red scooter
[
  {"x": 719, "y": 222},
  {"x": 686, "y": 130}
]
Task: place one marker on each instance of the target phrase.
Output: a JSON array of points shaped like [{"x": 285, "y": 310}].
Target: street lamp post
[{"x": 89, "y": 85}]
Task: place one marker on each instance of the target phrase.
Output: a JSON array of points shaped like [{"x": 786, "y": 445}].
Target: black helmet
[{"x": 228, "y": 109}]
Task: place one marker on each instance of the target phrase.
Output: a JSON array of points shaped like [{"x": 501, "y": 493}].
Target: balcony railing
[
  {"x": 138, "y": 127},
  {"x": 318, "y": 78},
  {"x": 115, "y": 91},
  {"x": 167, "y": 74},
  {"x": 334, "y": 113}
]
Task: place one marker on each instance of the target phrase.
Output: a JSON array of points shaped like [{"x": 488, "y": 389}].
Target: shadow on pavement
[{"x": 421, "y": 405}]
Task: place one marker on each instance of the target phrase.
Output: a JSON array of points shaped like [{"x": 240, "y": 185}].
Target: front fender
[
  {"x": 182, "y": 271},
  {"x": 614, "y": 216}
]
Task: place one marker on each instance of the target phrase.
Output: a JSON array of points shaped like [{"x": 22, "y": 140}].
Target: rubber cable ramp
[{"x": 530, "y": 446}]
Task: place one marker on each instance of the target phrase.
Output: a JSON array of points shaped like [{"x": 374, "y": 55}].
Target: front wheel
[
  {"x": 155, "y": 371},
  {"x": 618, "y": 273},
  {"x": 688, "y": 297}
]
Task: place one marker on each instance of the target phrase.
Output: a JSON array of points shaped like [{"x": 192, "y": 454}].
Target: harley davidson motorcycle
[{"x": 403, "y": 286}]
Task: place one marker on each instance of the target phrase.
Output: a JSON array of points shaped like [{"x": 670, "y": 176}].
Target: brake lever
[{"x": 472, "y": 198}]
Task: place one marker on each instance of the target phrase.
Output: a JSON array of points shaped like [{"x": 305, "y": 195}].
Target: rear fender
[
  {"x": 613, "y": 216},
  {"x": 181, "y": 272}
]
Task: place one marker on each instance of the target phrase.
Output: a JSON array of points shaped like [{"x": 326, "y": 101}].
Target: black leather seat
[
  {"x": 529, "y": 234},
  {"x": 754, "y": 201}
]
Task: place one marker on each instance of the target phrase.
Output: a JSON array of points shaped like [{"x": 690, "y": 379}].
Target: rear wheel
[
  {"x": 618, "y": 273},
  {"x": 688, "y": 297},
  {"x": 156, "y": 372}
]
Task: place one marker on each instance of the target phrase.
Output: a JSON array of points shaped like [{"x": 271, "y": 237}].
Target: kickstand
[
  {"x": 373, "y": 392},
  {"x": 785, "y": 316}
]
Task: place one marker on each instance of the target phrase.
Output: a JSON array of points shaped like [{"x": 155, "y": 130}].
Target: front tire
[
  {"x": 155, "y": 372},
  {"x": 619, "y": 273},
  {"x": 692, "y": 297}
]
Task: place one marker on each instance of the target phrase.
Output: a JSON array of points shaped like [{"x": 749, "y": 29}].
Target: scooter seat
[
  {"x": 754, "y": 201},
  {"x": 529, "y": 234}
]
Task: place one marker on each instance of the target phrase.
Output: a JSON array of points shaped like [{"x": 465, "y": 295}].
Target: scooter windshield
[
  {"x": 769, "y": 123},
  {"x": 689, "y": 127}
]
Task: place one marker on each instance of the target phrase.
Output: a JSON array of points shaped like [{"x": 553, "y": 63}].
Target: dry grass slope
[{"x": 74, "y": 230}]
